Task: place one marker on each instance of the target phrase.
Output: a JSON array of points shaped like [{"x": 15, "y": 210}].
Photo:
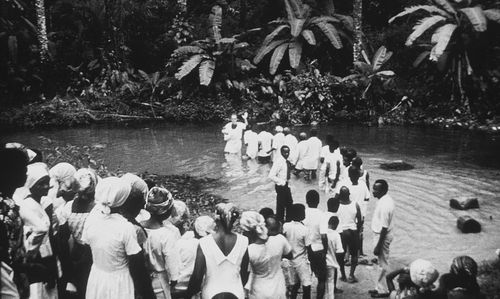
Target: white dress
[
  {"x": 278, "y": 142},
  {"x": 111, "y": 238},
  {"x": 292, "y": 143},
  {"x": 265, "y": 140},
  {"x": 268, "y": 281},
  {"x": 311, "y": 159},
  {"x": 223, "y": 272},
  {"x": 250, "y": 138},
  {"x": 162, "y": 258},
  {"x": 233, "y": 136}
]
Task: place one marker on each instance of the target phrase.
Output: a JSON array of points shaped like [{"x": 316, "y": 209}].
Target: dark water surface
[{"x": 447, "y": 163}]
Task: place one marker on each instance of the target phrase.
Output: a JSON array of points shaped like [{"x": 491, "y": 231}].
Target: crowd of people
[{"x": 68, "y": 233}]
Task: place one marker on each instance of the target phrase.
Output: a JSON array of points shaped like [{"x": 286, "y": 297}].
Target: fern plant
[
  {"x": 298, "y": 30},
  {"x": 205, "y": 54},
  {"x": 454, "y": 27}
]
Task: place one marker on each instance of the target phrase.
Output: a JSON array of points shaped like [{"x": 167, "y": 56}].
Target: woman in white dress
[
  {"x": 37, "y": 233},
  {"x": 265, "y": 254},
  {"x": 233, "y": 133},
  {"x": 162, "y": 255},
  {"x": 221, "y": 264},
  {"x": 113, "y": 241}
]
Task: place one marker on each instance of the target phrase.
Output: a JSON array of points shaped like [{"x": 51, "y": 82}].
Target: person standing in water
[
  {"x": 292, "y": 143},
  {"x": 278, "y": 142},
  {"x": 250, "y": 138},
  {"x": 264, "y": 139},
  {"x": 280, "y": 174},
  {"x": 233, "y": 133}
]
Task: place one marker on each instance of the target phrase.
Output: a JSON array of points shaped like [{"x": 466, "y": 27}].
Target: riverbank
[{"x": 73, "y": 112}]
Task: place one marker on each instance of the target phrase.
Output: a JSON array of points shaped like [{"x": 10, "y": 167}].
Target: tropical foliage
[
  {"x": 297, "y": 31},
  {"x": 454, "y": 28}
]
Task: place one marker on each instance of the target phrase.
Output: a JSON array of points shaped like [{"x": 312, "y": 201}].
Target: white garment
[
  {"x": 311, "y": 159},
  {"x": 112, "y": 239},
  {"x": 302, "y": 148},
  {"x": 315, "y": 223},
  {"x": 347, "y": 216},
  {"x": 8, "y": 289},
  {"x": 360, "y": 194},
  {"x": 187, "y": 247},
  {"x": 223, "y": 272},
  {"x": 279, "y": 171},
  {"x": 171, "y": 227},
  {"x": 265, "y": 140},
  {"x": 162, "y": 258},
  {"x": 383, "y": 214},
  {"x": 233, "y": 137},
  {"x": 36, "y": 226},
  {"x": 327, "y": 217},
  {"x": 292, "y": 143},
  {"x": 297, "y": 235},
  {"x": 322, "y": 181},
  {"x": 334, "y": 246},
  {"x": 277, "y": 143},
  {"x": 251, "y": 140},
  {"x": 268, "y": 281},
  {"x": 332, "y": 161}
]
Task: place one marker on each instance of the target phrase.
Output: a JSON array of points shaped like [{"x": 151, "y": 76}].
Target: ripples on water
[{"x": 448, "y": 164}]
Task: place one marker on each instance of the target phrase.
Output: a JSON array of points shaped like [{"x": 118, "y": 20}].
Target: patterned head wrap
[
  {"x": 226, "y": 213},
  {"x": 111, "y": 192},
  {"x": 137, "y": 184},
  {"x": 252, "y": 221},
  {"x": 159, "y": 201},
  {"x": 35, "y": 172},
  {"x": 464, "y": 266},
  {"x": 423, "y": 273},
  {"x": 204, "y": 225},
  {"x": 86, "y": 179}
]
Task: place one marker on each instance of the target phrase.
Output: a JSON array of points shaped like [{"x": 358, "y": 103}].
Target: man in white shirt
[
  {"x": 311, "y": 160},
  {"x": 333, "y": 165},
  {"x": 318, "y": 228},
  {"x": 382, "y": 225},
  {"x": 265, "y": 140},
  {"x": 292, "y": 143},
  {"x": 233, "y": 133},
  {"x": 278, "y": 142},
  {"x": 301, "y": 153},
  {"x": 280, "y": 174},
  {"x": 250, "y": 139}
]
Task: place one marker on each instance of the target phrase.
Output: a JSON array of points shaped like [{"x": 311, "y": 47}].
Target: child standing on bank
[{"x": 332, "y": 266}]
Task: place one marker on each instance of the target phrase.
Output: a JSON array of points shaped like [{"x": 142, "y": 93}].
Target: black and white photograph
[{"x": 237, "y": 149}]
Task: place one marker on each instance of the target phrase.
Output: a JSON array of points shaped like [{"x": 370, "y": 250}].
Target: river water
[{"x": 448, "y": 164}]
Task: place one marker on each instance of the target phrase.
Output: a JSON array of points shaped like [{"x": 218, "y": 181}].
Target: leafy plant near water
[
  {"x": 206, "y": 54},
  {"x": 455, "y": 27},
  {"x": 297, "y": 31}
]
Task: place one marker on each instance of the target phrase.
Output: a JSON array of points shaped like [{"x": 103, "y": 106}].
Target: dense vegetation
[{"x": 79, "y": 61}]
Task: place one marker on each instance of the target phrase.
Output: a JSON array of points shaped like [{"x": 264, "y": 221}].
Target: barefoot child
[{"x": 334, "y": 248}]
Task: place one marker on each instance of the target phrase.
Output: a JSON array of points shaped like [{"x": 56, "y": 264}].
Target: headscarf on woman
[
  {"x": 137, "y": 184},
  {"x": 226, "y": 213},
  {"x": 87, "y": 180},
  {"x": 111, "y": 192},
  {"x": 252, "y": 221},
  {"x": 204, "y": 225},
  {"x": 159, "y": 201},
  {"x": 62, "y": 178},
  {"x": 180, "y": 212},
  {"x": 423, "y": 273},
  {"x": 35, "y": 172}
]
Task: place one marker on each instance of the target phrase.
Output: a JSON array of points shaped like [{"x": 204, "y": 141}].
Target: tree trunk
[
  {"x": 42, "y": 30},
  {"x": 358, "y": 33}
]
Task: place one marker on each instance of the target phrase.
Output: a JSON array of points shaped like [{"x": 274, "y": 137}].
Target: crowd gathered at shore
[{"x": 68, "y": 233}]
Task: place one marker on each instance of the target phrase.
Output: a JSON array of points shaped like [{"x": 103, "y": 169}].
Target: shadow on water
[{"x": 447, "y": 164}]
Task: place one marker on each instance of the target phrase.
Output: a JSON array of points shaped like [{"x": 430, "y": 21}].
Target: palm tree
[
  {"x": 455, "y": 27},
  {"x": 42, "y": 30},
  {"x": 297, "y": 30},
  {"x": 358, "y": 33}
]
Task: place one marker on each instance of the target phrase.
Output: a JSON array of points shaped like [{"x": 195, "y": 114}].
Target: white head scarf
[
  {"x": 136, "y": 183},
  {"x": 252, "y": 221},
  {"x": 62, "y": 172},
  {"x": 278, "y": 129},
  {"x": 87, "y": 180},
  {"x": 35, "y": 172},
  {"x": 204, "y": 225},
  {"x": 111, "y": 192},
  {"x": 179, "y": 213},
  {"x": 423, "y": 273}
]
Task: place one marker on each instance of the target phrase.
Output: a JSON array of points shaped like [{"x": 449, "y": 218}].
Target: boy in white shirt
[
  {"x": 334, "y": 249},
  {"x": 297, "y": 235}
]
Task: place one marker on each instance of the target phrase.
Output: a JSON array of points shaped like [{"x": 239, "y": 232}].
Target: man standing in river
[
  {"x": 280, "y": 174},
  {"x": 233, "y": 133},
  {"x": 382, "y": 225}
]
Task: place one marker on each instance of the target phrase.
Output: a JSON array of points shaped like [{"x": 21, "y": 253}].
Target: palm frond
[
  {"x": 444, "y": 4},
  {"x": 492, "y": 15},
  {"x": 347, "y": 21},
  {"x": 442, "y": 36},
  {"x": 422, "y": 26},
  {"x": 206, "y": 71},
  {"x": 294, "y": 53},
  {"x": 379, "y": 58},
  {"x": 276, "y": 58},
  {"x": 331, "y": 33},
  {"x": 476, "y": 17},
  {"x": 188, "y": 66},
  {"x": 262, "y": 52},
  {"x": 296, "y": 26},
  {"x": 421, "y": 57},
  {"x": 270, "y": 37},
  {"x": 309, "y": 37},
  {"x": 429, "y": 8},
  {"x": 215, "y": 20}
]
